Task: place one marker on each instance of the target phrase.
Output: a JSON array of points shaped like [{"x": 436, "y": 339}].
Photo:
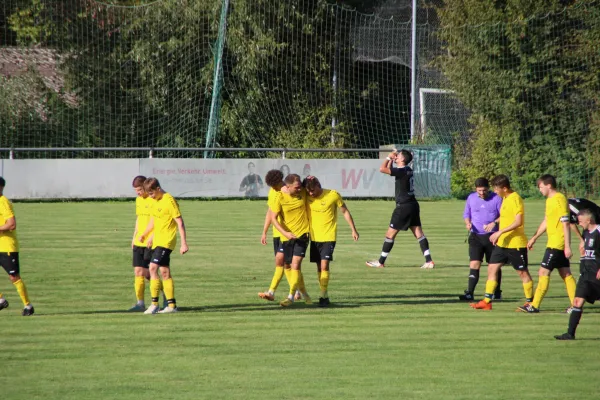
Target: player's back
[
  {"x": 512, "y": 205},
  {"x": 8, "y": 240},
  {"x": 164, "y": 212},
  {"x": 557, "y": 212}
]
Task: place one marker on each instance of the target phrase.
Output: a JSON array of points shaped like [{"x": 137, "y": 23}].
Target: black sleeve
[{"x": 397, "y": 171}]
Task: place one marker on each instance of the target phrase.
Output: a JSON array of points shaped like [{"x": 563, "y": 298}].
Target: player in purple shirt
[{"x": 482, "y": 213}]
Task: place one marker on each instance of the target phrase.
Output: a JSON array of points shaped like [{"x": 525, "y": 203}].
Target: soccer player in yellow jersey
[
  {"x": 322, "y": 214},
  {"x": 274, "y": 179},
  {"x": 292, "y": 207},
  {"x": 141, "y": 249},
  {"x": 558, "y": 250},
  {"x": 510, "y": 242},
  {"x": 9, "y": 252},
  {"x": 166, "y": 220}
]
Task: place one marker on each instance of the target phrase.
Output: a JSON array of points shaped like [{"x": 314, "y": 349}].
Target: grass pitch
[{"x": 394, "y": 333}]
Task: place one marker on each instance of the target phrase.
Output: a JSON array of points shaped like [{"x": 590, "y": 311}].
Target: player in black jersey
[
  {"x": 407, "y": 214},
  {"x": 576, "y": 204},
  {"x": 588, "y": 286}
]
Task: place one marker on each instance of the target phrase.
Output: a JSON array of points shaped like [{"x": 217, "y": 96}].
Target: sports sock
[
  {"x": 169, "y": 288},
  {"x": 155, "y": 290},
  {"x": 140, "y": 287},
  {"x": 295, "y": 277},
  {"x": 540, "y": 291},
  {"x": 276, "y": 279},
  {"x": 385, "y": 250},
  {"x": 571, "y": 286},
  {"x": 473, "y": 279},
  {"x": 22, "y": 289},
  {"x": 288, "y": 274},
  {"x": 490, "y": 289},
  {"x": 528, "y": 290},
  {"x": 499, "y": 280},
  {"x": 424, "y": 243},
  {"x": 301, "y": 287},
  {"x": 574, "y": 320},
  {"x": 324, "y": 283}
]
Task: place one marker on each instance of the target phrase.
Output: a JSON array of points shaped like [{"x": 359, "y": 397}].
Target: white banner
[{"x": 111, "y": 178}]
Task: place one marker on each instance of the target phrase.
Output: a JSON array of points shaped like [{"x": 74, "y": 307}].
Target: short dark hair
[
  {"x": 588, "y": 213},
  {"x": 274, "y": 177},
  {"x": 547, "y": 179},
  {"x": 482, "y": 182},
  {"x": 138, "y": 181},
  {"x": 251, "y": 163},
  {"x": 501, "y": 181},
  {"x": 292, "y": 178},
  {"x": 312, "y": 183},
  {"x": 407, "y": 155},
  {"x": 151, "y": 184},
  {"x": 2, "y": 182}
]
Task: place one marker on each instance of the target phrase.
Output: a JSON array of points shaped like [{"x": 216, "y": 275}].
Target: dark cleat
[
  {"x": 4, "y": 305},
  {"x": 468, "y": 296},
  {"x": 28, "y": 311},
  {"x": 528, "y": 308},
  {"x": 564, "y": 336},
  {"x": 324, "y": 302}
]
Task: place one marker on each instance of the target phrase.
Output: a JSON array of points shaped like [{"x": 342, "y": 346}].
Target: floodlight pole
[{"x": 413, "y": 72}]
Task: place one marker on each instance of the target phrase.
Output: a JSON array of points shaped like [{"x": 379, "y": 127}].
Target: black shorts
[
  {"x": 141, "y": 256},
  {"x": 279, "y": 247},
  {"x": 588, "y": 289},
  {"x": 161, "y": 256},
  {"x": 479, "y": 246},
  {"x": 321, "y": 251},
  {"x": 295, "y": 247},
  {"x": 406, "y": 215},
  {"x": 555, "y": 258},
  {"x": 516, "y": 257},
  {"x": 10, "y": 263}
]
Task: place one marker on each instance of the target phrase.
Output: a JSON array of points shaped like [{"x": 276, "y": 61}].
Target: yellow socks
[
  {"x": 295, "y": 278},
  {"x": 169, "y": 288},
  {"x": 490, "y": 289},
  {"x": 155, "y": 286},
  {"x": 140, "y": 287},
  {"x": 528, "y": 289},
  {"x": 22, "y": 289},
  {"x": 276, "y": 279},
  {"x": 301, "y": 287},
  {"x": 571, "y": 286},
  {"x": 323, "y": 283},
  {"x": 288, "y": 275},
  {"x": 540, "y": 291}
]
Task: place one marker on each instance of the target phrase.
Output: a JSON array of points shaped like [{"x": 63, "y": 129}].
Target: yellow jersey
[
  {"x": 512, "y": 205},
  {"x": 164, "y": 212},
  {"x": 143, "y": 211},
  {"x": 293, "y": 211},
  {"x": 557, "y": 212},
  {"x": 270, "y": 202},
  {"x": 322, "y": 215},
  {"x": 8, "y": 240}
]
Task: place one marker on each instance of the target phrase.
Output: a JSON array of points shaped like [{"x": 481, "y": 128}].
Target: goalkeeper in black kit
[{"x": 588, "y": 286}]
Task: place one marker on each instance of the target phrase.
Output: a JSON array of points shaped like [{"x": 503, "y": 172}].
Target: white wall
[{"x": 111, "y": 178}]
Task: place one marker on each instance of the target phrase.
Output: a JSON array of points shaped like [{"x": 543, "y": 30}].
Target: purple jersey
[{"x": 482, "y": 211}]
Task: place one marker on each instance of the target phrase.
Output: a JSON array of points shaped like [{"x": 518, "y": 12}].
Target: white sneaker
[
  {"x": 375, "y": 264},
  {"x": 152, "y": 309},
  {"x": 137, "y": 308},
  {"x": 168, "y": 310},
  {"x": 427, "y": 265}
]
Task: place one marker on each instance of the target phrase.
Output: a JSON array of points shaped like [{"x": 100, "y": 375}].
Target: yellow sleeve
[
  {"x": 338, "y": 199},
  {"x": 6, "y": 209},
  {"x": 276, "y": 205},
  {"x": 563, "y": 209},
  {"x": 175, "y": 213},
  {"x": 519, "y": 206}
]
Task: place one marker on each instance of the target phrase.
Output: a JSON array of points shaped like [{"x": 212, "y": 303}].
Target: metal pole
[
  {"x": 11, "y": 154},
  {"x": 413, "y": 72},
  {"x": 151, "y": 153},
  {"x": 334, "y": 80}
]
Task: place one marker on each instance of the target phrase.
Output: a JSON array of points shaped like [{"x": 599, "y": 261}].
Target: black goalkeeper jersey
[
  {"x": 576, "y": 205},
  {"x": 405, "y": 187},
  {"x": 590, "y": 262}
]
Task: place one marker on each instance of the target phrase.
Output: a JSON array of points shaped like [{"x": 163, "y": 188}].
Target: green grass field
[{"x": 394, "y": 333}]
